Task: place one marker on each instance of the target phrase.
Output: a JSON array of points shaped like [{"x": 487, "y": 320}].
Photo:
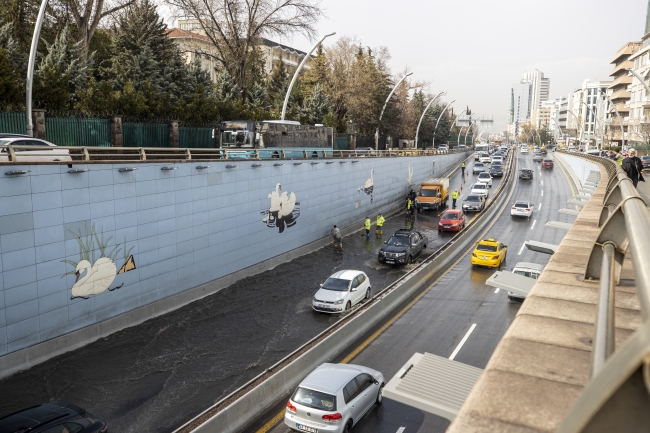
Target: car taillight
[
  {"x": 527, "y": 208},
  {"x": 474, "y": 255},
  {"x": 291, "y": 407},
  {"x": 333, "y": 417},
  {"x": 514, "y": 207}
]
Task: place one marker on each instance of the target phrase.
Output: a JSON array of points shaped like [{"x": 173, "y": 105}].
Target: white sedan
[
  {"x": 28, "y": 148},
  {"x": 479, "y": 189},
  {"x": 522, "y": 209},
  {"x": 342, "y": 291},
  {"x": 485, "y": 178}
]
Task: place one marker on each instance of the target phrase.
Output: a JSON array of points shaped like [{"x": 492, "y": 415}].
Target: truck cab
[{"x": 433, "y": 194}]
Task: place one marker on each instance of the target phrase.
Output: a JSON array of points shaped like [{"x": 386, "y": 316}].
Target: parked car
[
  {"x": 489, "y": 252},
  {"x": 522, "y": 209},
  {"x": 538, "y": 157},
  {"x": 52, "y": 417},
  {"x": 478, "y": 168},
  {"x": 645, "y": 160},
  {"x": 452, "y": 220},
  {"x": 42, "y": 150},
  {"x": 474, "y": 203},
  {"x": 480, "y": 189},
  {"x": 526, "y": 173},
  {"x": 526, "y": 269},
  {"x": 547, "y": 163},
  {"x": 333, "y": 398},
  {"x": 342, "y": 291},
  {"x": 403, "y": 247},
  {"x": 485, "y": 178},
  {"x": 496, "y": 170}
]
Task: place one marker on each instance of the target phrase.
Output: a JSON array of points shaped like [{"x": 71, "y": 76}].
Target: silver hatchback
[{"x": 333, "y": 398}]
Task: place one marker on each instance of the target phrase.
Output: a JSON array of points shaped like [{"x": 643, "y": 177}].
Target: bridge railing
[
  {"x": 25, "y": 154},
  {"x": 617, "y": 397}
]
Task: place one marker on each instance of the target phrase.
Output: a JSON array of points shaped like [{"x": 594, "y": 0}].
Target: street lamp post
[
  {"x": 468, "y": 128},
  {"x": 295, "y": 75},
  {"x": 433, "y": 140},
  {"x": 461, "y": 128},
  {"x": 417, "y": 131},
  {"x": 384, "y": 107},
  {"x": 578, "y": 122},
  {"x": 30, "y": 68},
  {"x": 596, "y": 122}
]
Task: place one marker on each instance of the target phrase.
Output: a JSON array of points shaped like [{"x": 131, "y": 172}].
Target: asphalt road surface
[
  {"x": 439, "y": 320},
  {"x": 155, "y": 376}
]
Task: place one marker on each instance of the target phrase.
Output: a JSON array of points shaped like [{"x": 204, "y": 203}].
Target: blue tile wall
[{"x": 183, "y": 227}]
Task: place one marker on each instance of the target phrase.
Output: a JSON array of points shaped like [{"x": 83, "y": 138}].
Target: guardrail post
[
  {"x": 39, "y": 123},
  {"x": 12, "y": 154},
  {"x": 173, "y": 133},
  {"x": 117, "y": 139},
  {"x": 86, "y": 154},
  {"x": 143, "y": 155}
]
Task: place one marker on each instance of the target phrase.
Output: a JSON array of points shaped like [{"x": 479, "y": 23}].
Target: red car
[
  {"x": 452, "y": 221},
  {"x": 547, "y": 163}
]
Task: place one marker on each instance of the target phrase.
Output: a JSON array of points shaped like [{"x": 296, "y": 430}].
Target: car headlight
[
  {"x": 381, "y": 253},
  {"x": 340, "y": 301},
  {"x": 400, "y": 254}
]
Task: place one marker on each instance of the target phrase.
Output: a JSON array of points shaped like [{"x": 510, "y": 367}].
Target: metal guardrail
[
  {"x": 151, "y": 154},
  {"x": 618, "y": 395}
]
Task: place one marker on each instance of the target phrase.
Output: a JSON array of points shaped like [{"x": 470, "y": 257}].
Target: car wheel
[
  {"x": 409, "y": 260},
  {"x": 424, "y": 247},
  {"x": 380, "y": 394},
  {"x": 368, "y": 293},
  {"x": 348, "y": 427},
  {"x": 348, "y": 306}
]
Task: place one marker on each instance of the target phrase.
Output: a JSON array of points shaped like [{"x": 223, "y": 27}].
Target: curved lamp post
[
  {"x": 596, "y": 122},
  {"x": 578, "y": 122},
  {"x": 417, "y": 131},
  {"x": 461, "y": 128},
  {"x": 384, "y": 107},
  {"x": 30, "y": 68},
  {"x": 468, "y": 128},
  {"x": 295, "y": 75},
  {"x": 433, "y": 140}
]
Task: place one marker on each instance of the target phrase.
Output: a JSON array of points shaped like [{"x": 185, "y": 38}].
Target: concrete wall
[{"x": 183, "y": 228}]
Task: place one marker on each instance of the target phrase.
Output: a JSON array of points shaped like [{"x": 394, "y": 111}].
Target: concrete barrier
[{"x": 260, "y": 398}]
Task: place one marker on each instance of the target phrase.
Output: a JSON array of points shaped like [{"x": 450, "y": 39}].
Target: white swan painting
[
  {"x": 97, "y": 278},
  {"x": 409, "y": 178},
  {"x": 284, "y": 209},
  {"x": 369, "y": 186}
]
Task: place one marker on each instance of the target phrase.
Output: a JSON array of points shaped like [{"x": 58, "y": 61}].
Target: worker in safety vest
[
  {"x": 454, "y": 197},
  {"x": 379, "y": 230},
  {"x": 409, "y": 206},
  {"x": 619, "y": 158},
  {"x": 366, "y": 225},
  {"x": 462, "y": 168}
]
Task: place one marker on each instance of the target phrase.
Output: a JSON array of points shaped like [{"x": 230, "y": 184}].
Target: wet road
[
  {"x": 439, "y": 320},
  {"x": 155, "y": 376}
]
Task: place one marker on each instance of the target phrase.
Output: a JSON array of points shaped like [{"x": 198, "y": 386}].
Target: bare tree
[{"x": 235, "y": 27}]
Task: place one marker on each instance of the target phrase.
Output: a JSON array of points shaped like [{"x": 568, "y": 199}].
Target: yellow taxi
[{"x": 489, "y": 252}]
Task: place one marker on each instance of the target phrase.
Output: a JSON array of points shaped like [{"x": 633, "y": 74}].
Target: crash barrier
[
  {"x": 237, "y": 410},
  {"x": 152, "y": 154},
  {"x": 618, "y": 393}
]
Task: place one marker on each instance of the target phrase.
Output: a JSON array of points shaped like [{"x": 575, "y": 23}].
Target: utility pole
[
  {"x": 384, "y": 107},
  {"x": 30, "y": 68}
]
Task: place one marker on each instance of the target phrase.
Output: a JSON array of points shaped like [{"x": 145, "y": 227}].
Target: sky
[{"x": 477, "y": 49}]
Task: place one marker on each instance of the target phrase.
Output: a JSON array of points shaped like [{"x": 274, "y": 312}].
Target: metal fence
[
  {"x": 196, "y": 138},
  {"x": 13, "y": 123},
  {"x": 145, "y": 135},
  {"x": 342, "y": 142},
  {"x": 73, "y": 131}
]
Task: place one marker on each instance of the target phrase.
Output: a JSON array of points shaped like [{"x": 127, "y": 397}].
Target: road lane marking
[
  {"x": 401, "y": 429},
  {"x": 521, "y": 249},
  {"x": 453, "y": 355},
  {"x": 533, "y": 226},
  {"x": 497, "y": 290},
  {"x": 542, "y": 193},
  {"x": 541, "y": 181},
  {"x": 539, "y": 207}
]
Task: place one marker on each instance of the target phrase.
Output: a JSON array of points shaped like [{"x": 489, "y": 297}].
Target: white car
[
  {"x": 526, "y": 269},
  {"x": 485, "y": 158},
  {"x": 26, "y": 154},
  {"x": 498, "y": 159},
  {"x": 480, "y": 189},
  {"x": 522, "y": 209},
  {"x": 342, "y": 291},
  {"x": 485, "y": 178},
  {"x": 333, "y": 398},
  {"x": 524, "y": 149}
]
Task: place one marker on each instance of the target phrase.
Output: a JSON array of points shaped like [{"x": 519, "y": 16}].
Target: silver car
[
  {"x": 333, "y": 398},
  {"x": 31, "y": 149}
]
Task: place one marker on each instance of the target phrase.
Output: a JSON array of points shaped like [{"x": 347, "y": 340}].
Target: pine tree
[
  {"x": 257, "y": 98},
  {"x": 277, "y": 85},
  {"x": 226, "y": 90},
  {"x": 318, "y": 74},
  {"x": 12, "y": 67},
  {"x": 316, "y": 107}
]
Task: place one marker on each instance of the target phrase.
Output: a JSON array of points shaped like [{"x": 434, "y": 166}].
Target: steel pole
[
  {"x": 468, "y": 128},
  {"x": 417, "y": 131},
  {"x": 461, "y": 128},
  {"x": 384, "y": 108},
  {"x": 30, "y": 68},
  {"x": 295, "y": 75},
  {"x": 433, "y": 140}
]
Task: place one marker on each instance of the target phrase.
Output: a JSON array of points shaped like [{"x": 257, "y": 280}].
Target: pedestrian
[
  {"x": 379, "y": 229},
  {"x": 409, "y": 206},
  {"x": 366, "y": 225},
  {"x": 412, "y": 195},
  {"x": 454, "y": 197},
  {"x": 462, "y": 169},
  {"x": 336, "y": 235},
  {"x": 633, "y": 166},
  {"x": 619, "y": 158}
]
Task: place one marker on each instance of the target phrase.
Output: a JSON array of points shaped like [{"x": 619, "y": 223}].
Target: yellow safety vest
[
  {"x": 454, "y": 195},
  {"x": 380, "y": 221},
  {"x": 619, "y": 160},
  {"x": 367, "y": 224},
  {"x": 463, "y": 165},
  {"x": 408, "y": 204}
]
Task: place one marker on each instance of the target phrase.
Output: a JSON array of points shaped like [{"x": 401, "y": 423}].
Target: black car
[
  {"x": 474, "y": 203},
  {"x": 645, "y": 160},
  {"x": 496, "y": 170},
  {"x": 55, "y": 416},
  {"x": 403, "y": 247},
  {"x": 525, "y": 173}
]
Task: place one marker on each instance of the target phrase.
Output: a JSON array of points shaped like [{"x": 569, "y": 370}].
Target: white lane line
[
  {"x": 497, "y": 290},
  {"x": 533, "y": 226},
  {"x": 401, "y": 429},
  {"x": 539, "y": 207},
  {"x": 521, "y": 249},
  {"x": 542, "y": 193},
  {"x": 542, "y": 182},
  {"x": 453, "y": 355}
]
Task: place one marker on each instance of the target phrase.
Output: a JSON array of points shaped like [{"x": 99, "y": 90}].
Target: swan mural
[
  {"x": 93, "y": 277},
  {"x": 284, "y": 209},
  {"x": 369, "y": 186},
  {"x": 409, "y": 178}
]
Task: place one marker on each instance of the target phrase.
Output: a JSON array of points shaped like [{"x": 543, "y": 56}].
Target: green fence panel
[
  {"x": 78, "y": 132},
  {"x": 13, "y": 123},
  {"x": 341, "y": 142},
  {"x": 195, "y": 137},
  {"x": 145, "y": 134}
]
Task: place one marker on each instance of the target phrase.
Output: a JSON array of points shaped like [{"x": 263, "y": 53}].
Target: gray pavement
[
  {"x": 441, "y": 318},
  {"x": 155, "y": 376}
]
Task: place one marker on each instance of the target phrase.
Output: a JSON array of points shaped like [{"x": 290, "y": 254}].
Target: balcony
[
  {"x": 621, "y": 80},
  {"x": 621, "y": 67},
  {"x": 620, "y": 94}
]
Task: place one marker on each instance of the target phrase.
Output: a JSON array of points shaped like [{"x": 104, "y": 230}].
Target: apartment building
[
  {"x": 541, "y": 116},
  {"x": 588, "y": 111}
]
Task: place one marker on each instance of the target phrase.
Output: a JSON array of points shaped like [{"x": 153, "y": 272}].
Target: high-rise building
[
  {"x": 589, "y": 107},
  {"x": 519, "y": 105},
  {"x": 618, "y": 91},
  {"x": 638, "y": 121},
  {"x": 540, "y": 88}
]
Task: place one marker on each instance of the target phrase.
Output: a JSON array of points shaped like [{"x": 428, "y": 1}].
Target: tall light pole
[
  {"x": 295, "y": 75},
  {"x": 578, "y": 121},
  {"x": 468, "y": 128},
  {"x": 30, "y": 68},
  {"x": 461, "y": 128},
  {"x": 384, "y": 108},
  {"x": 433, "y": 140},
  {"x": 417, "y": 131},
  {"x": 589, "y": 110}
]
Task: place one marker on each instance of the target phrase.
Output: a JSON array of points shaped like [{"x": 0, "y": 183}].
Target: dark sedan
[
  {"x": 526, "y": 173},
  {"x": 496, "y": 171},
  {"x": 403, "y": 247},
  {"x": 55, "y": 416},
  {"x": 645, "y": 160}
]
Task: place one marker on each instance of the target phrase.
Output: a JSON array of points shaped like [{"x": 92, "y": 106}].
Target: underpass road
[
  {"x": 155, "y": 376},
  {"x": 440, "y": 319}
]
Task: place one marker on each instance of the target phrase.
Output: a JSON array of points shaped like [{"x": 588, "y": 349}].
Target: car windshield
[
  {"x": 526, "y": 273},
  {"x": 548, "y": 160},
  {"x": 336, "y": 284},
  {"x": 496, "y": 168},
  {"x": 482, "y": 247},
  {"x": 521, "y": 204},
  {"x": 449, "y": 216},
  {"x": 398, "y": 241},
  {"x": 314, "y": 399},
  {"x": 479, "y": 164},
  {"x": 479, "y": 186},
  {"x": 525, "y": 171},
  {"x": 472, "y": 198},
  {"x": 428, "y": 193},
  {"x": 483, "y": 176}
]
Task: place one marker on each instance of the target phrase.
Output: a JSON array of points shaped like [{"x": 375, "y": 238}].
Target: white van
[{"x": 526, "y": 269}]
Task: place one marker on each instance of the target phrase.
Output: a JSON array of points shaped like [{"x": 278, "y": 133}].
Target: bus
[{"x": 273, "y": 138}]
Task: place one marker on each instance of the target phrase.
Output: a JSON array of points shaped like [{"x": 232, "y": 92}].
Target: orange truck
[{"x": 433, "y": 194}]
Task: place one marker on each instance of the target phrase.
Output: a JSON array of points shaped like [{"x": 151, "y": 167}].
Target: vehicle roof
[
  {"x": 32, "y": 417},
  {"x": 330, "y": 378},
  {"x": 346, "y": 274},
  {"x": 483, "y": 174},
  {"x": 473, "y": 197},
  {"x": 524, "y": 169},
  {"x": 528, "y": 265},
  {"x": 489, "y": 241},
  {"x": 482, "y": 185},
  {"x": 448, "y": 211},
  {"x": 403, "y": 232},
  {"x": 7, "y": 135}
]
